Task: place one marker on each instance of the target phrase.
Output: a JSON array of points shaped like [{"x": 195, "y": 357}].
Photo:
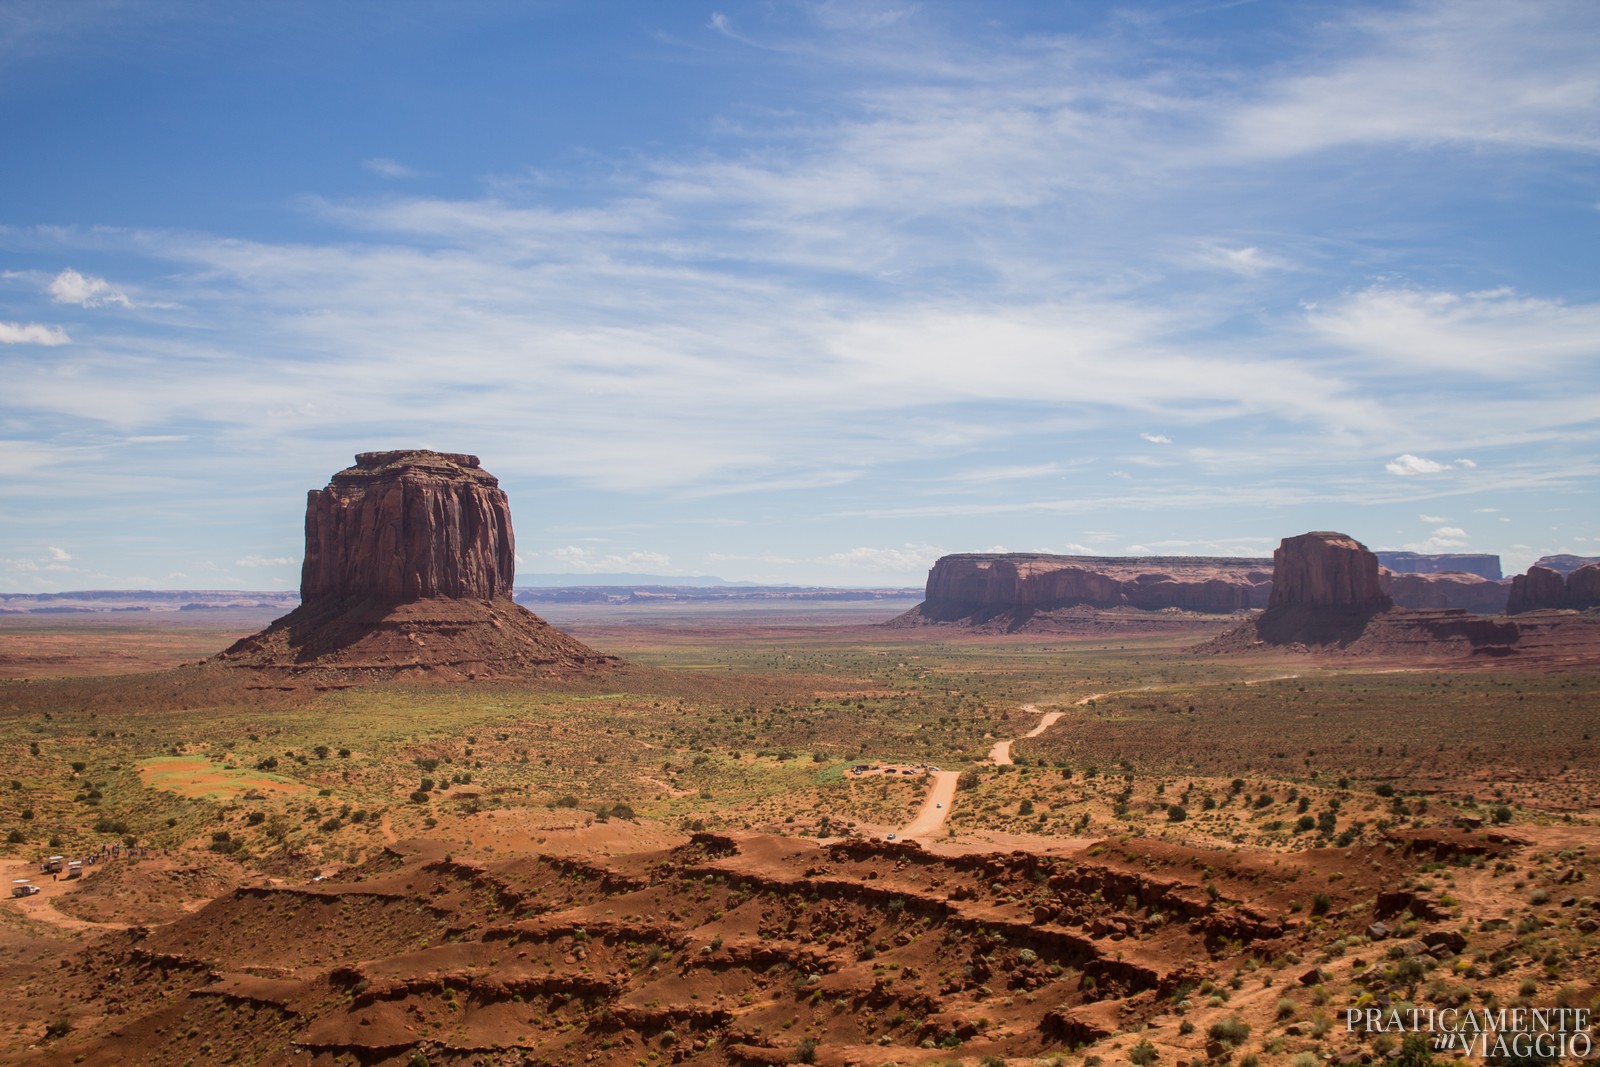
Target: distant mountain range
[{"x": 569, "y": 581}]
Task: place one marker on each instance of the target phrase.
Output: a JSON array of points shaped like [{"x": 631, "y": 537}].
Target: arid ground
[{"x": 1066, "y": 848}]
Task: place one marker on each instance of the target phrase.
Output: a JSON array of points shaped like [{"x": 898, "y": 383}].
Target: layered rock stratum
[
  {"x": 1010, "y": 589},
  {"x": 408, "y": 572},
  {"x": 1448, "y": 589},
  {"x": 1037, "y": 591}
]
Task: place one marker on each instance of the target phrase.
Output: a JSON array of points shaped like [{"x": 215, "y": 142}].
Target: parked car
[{"x": 23, "y": 888}]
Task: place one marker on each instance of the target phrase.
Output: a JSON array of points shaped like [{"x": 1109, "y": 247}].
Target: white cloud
[
  {"x": 389, "y": 168},
  {"x": 59, "y": 555},
  {"x": 265, "y": 561},
  {"x": 1443, "y": 539},
  {"x": 1493, "y": 334},
  {"x": 1407, "y": 465},
  {"x": 1248, "y": 261},
  {"x": 576, "y": 559},
  {"x": 15, "y": 333},
  {"x": 904, "y": 559},
  {"x": 1474, "y": 72},
  {"x": 70, "y": 287},
  {"x": 1157, "y": 438},
  {"x": 1434, "y": 519}
]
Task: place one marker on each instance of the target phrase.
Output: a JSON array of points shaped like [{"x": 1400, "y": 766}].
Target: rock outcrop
[
  {"x": 404, "y": 526},
  {"x": 1543, "y": 588},
  {"x": 408, "y": 571},
  {"x": 1451, "y": 589},
  {"x": 1484, "y": 565},
  {"x": 1326, "y": 570},
  {"x": 1012, "y": 587}
]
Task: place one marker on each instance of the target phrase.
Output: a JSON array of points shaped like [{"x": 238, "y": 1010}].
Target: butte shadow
[{"x": 408, "y": 569}]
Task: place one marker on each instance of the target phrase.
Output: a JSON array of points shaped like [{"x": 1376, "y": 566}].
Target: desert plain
[{"x": 716, "y": 851}]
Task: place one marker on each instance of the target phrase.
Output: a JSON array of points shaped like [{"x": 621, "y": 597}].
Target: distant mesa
[
  {"x": 1446, "y": 589},
  {"x": 408, "y": 573},
  {"x": 1564, "y": 563},
  {"x": 1012, "y": 591},
  {"x": 1482, "y": 564}
]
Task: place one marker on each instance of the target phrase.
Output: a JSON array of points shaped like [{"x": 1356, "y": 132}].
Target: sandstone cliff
[
  {"x": 403, "y": 526},
  {"x": 1546, "y": 588},
  {"x": 1451, "y": 589},
  {"x": 408, "y": 571},
  {"x": 1484, "y": 565},
  {"x": 1326, "y": 570},
  {"x": 979, "y": 587}
]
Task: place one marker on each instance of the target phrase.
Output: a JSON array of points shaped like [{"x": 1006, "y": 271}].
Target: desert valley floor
[{"x": 788, "y": 834}]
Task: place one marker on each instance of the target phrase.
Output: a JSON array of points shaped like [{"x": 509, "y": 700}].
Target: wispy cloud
[
  {"x": 70, "y": 287},
  {"x": 265, "y": 561},
  {"x": 33, "y": 333},
  {"x": 1157, "y": 438},
  {"x": 1408, "y": 465},
  {"x": 384, "y": 167}
]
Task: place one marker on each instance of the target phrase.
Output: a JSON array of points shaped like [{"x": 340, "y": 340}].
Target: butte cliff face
[
  {"x": 404, "y": 526},
  {"x": 1326, "y": 570},
  {"x": 408, "y": 570},
  {"x": 1545, "y": 588}
]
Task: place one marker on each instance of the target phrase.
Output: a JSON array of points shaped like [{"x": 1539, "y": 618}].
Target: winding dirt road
[{"x": 942, "y": 792}]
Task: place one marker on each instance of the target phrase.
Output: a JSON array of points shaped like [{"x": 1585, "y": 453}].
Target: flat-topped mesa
[
  {"x": 1326, "y": 570},
  {"x": 408, "y": 525},
  {"x": 1010, "y": 587}
]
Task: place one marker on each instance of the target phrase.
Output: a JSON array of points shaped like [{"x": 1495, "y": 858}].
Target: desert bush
[{"x": 1231, "y": 1031}]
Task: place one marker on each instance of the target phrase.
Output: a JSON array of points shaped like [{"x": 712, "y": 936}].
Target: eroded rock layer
[{"x": 715, "y": 951}]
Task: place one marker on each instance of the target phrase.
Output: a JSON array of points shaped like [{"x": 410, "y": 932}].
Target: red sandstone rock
[
  {"x": 1331, "y": 570},
  {"x": 1541, "y": 587},
  {"x": 403, "y": 526},
  {"x": 1583, "y": 587},
  {"x": 1450, "y": 589},
  {"x": 408, "y": 571},
  {"x": 980, "y": 586},
  {"x": 1545, "y": 587}
]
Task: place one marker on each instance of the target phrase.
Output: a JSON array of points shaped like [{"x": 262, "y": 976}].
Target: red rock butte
[
  {"x": 404, "y": 526},
  {"x": 408, "y": 573}
]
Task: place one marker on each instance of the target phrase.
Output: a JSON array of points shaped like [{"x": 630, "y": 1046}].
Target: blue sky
[{"x": 808, "y": 292}]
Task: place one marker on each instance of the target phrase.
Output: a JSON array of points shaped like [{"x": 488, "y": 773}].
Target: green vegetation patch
[{"x": 196, "y": 777}]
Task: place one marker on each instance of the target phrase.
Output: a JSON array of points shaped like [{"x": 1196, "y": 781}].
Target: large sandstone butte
[
  {"x": 1325, "y": 588},
  {"x": 408, "y": 570},
  {"x": 1544, "y": 588}
]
